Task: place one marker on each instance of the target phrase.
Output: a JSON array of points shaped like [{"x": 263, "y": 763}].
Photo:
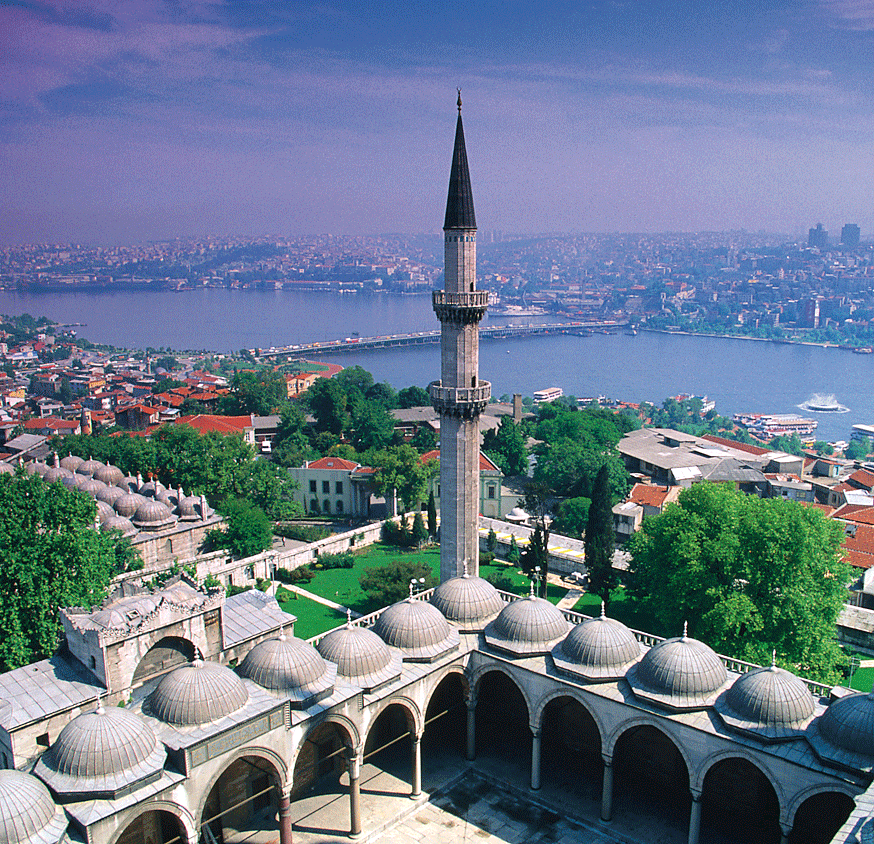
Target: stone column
[
  {"x": 417, "y": 765},
  {"x": 785, "y": 832},
  {"x": 354, "y": 766},
  {"x": 607, "y": 790},
  {"x": 535, "y": 759},
  {"x": 285, "y": 819},
  {"x": 471, "y": 730},
  {"x": 695, "y": 818}
]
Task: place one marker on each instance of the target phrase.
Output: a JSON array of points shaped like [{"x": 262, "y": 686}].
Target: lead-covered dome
[
  {"x": 28, "y": 815},
  {"x": 89, "y": 467},
  {"x": 769, "y": 702},
  {"x": 56, "y": 473},
  {"x": 92, "y": 486},
  {"x": 109, "y": 474},
  {"x": 6, "y": 469},
  {"x": 361, "y": 657},
  {"x": 109, "y": 494},
  {"x": 104, "y": 753},
  {"x": 197, "y": 694},
  {"x": 151, "y": 514},
  {"x": 418, "y": 629},
  {"x": 598, "y": 649},
  {"x": 845, "y": 731},
  {"x": 71, "y": 462},
  {"x": 290, "y": 666},
  {"x": 680, "y": 673},
  {"x": 35, "y": 467},
  {"x": 127, "y": 504},
  {"x": 116, "y": 522},
  {"x": 469, "y": 602},
  {"x": 527, "y": 626}
]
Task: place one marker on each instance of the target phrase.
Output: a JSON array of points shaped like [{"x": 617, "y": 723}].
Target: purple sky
[{"x": 126, "y": 120}]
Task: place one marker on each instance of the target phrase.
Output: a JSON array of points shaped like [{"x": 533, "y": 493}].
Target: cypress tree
[
  {"x": 432, "y": 514},
  {"x": 599, "y": 538}
]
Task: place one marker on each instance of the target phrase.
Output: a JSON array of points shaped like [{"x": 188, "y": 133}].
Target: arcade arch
[
  {"x": 819, "y": 817},
  {"x": 445, "y": 719},
  {"x": 502, "y": 719},
  {"x": 160, "y": 826},
  {"x": 165, "y": 655}
]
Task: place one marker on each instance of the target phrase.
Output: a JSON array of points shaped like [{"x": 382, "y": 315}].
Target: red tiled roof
[
  {"x": 333, "y": 463},
  {"x": 485, "y": 464},
  {"x": 749, "y": 449},
  {"x": 205, "y": 422},
  {"x": 862, "y": 478},
  {"x": 649, "y": 494},
  {"x": 859, "y": 513},
  {"x": 860, "y": 548}
]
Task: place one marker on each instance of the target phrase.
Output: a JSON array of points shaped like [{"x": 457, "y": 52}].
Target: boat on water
[
  {"x": 632, "y": 332},
  {"x": 863, "y": 350}
]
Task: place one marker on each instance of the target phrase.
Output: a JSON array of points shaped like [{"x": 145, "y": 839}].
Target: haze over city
[{"x": 125, "y": 121}]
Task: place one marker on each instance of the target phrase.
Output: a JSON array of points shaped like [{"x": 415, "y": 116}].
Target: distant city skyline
[{"x": 133, "y": 120}]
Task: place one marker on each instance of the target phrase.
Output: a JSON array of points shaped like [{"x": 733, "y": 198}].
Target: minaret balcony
[
  {"x": 463, "y": 402},
  {"x": 460, "y": 308}
]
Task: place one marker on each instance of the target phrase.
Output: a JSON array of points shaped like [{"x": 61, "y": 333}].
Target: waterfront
[{"x": 740, "y": 375}]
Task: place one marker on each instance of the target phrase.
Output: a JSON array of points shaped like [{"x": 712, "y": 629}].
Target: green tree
[
  {"x": 329, "y": 404},
  {"x": 821, "y": 447},
  {"x": 373, "y": 427},
  {"x": 50, "y": 557},
  {"x": 258, "y": 392},
  {"x": 857, "y": 450},
  {"x": 413, "y": 397},
  {"x": 534, "y": 557},
  {"x": 390, "y": 583},
  {"x": 513, "y": 554},
  {"x": 506, "y": 446},
  {"x": 424, "y": 440},
  {"x": 248, "y": 529},
  {"x": 491, "y": 541},
  {"x": 599, "y": 539},
  {"x": 572, "y": 516},
  {"x": 400, "y": 468},
  {"x": 418, "y": 532},
  {"x": 65, "y": 391},
  {"x": 432, "y": 514},
  {"x": 748, "y": 574}
]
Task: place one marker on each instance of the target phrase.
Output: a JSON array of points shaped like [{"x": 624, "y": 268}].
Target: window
[
  {"x": 327, "y": 508},
  {"x": 326, "y": 486},
  {"x": 92, "y": 662},
  {"x": 491, "y": 491},
  {"x": 313, "y": 486},
  {"x": 43, "y": 740},
  {"x": 314, "y": 506},
  {"x": 338, "y": 487},
  {"x": 438, "y": 490},
  {"x": 339, "y": 506}
]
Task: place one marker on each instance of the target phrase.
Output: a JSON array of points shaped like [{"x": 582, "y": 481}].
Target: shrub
[
  {"x": 262, "y": 584},
  {"x": 390, "y": 583},
  {"x": 302, "y": 574},
  {"x": 344, "y": 560},
  {"x": 486, "y": 558},
  {"x": 501, "y": 581},
  {"x": 236, "y": 590},
  {"x": 302, "y": 533}
]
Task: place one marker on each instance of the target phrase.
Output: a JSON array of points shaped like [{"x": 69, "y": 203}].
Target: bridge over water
[{"x": 423, "y": 338}]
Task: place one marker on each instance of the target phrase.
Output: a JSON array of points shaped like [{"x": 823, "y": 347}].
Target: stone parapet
[
  {"x": 463, "y": 402},
  {"x": 460, "y": 308}
]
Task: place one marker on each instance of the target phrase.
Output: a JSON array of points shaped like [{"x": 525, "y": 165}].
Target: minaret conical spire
[{"x": 459, "y": 204}]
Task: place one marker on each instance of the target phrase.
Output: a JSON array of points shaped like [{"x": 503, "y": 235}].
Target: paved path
[
  {"x": 573, "y": 595},
  {"x": 320, "y": 600}
]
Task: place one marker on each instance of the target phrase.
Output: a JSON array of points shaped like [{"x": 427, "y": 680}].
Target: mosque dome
[
  {"x": 151, "y": 514},
  {"x": 680, "y": 673},
  {"x": 56, "y": 473},
  {"x": 527, "y": 626},
  {"x": 470, "y": 602},
  {"x": 361, "y": 657},
  {"x": 848, "y": 724},
  {"x": 89, "y": 467},
  {"x": 109, "y": 494},
  {"x": 116, "y": 522},
  {"x": 188, "y": 509},
  {"x": 598, "y": 649},
  {"x": 6, "y": 469},
  {"x": 290, "y": 666},
  {"x": 418, "y": 629},
  {"x": 35, "y": 467},
  {"x": 74, "y": 481},
  {"x": 127, "y": 504},
  {"x": 767, "y": 701},
  {"x": 152, "y": 489},
  {"x": 128, "y": 484},
  {"x": 28, "y": 815},
  {"x": 109, "y": 474},
  {"x": 102, "y": 753},
  {"x": 170, "y": 500},
  {"x": 197, "y": 693},
  {"x": 92, "y": 486},
  {"x": 71, "y": 462},
  {"x": 104, "y": 511}
]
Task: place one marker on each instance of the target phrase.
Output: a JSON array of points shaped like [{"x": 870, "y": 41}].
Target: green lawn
[
  {"x": 621, "y": 608},
  {"x": 521, "y": 583},
  {"x": 312, "y": 617}
]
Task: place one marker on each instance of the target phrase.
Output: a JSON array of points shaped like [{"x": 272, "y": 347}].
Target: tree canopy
[
  {"x": 50, "y": 557},
  {"x": 749, "y": 575},
  {"x": 603, "y": 578}
]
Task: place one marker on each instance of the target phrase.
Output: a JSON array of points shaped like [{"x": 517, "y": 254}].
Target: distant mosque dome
[
  {"x": 128, "y": 503},
  {"x": 35, "y": 467},
  {"x": 92, "y": 486},
  {"x": 109, "y": 474},
  {"x": 116, "y": 522},
  {"x": 89, "y": 467},
  {"x": 109, "y": 494},
  {"x": 56, "y": 473},
  {"x": 128, "y": 484},
  {"x": 71, "y": 462},
  {"x": 151, "y": 514}
]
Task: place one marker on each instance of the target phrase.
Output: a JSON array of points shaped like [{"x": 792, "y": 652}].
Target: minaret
[{"x": 459, "y": 396}]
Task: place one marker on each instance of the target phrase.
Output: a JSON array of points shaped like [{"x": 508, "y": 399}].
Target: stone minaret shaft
[{"x": 459, "y": 396}]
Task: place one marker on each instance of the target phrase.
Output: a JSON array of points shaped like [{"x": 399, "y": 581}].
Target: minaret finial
[{"x": 459, "y": 100}]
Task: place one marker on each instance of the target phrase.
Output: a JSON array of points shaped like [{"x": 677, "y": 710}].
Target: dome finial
[
  {"x": 465, "y": 572},
  {"x": 774, "y": 658},
  {"x": 412, "y": 587},
  {"x": 531, "y": 592},
  {"x": 459, "y": 100},
  {"x": 685, "y": 630},
  {"x": 603, "y": 610},
  {"x": 348, "y": 617},
  {"x": 99, "y": 710},
  {"x": 282, "y": 636}
]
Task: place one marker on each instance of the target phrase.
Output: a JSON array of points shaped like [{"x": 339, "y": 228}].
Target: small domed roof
[
  {"x": 116, "y": 522},
  {"x": 151, "y": 514},
  {"x": 769, "y": 702},
  {"x": 28, "y": 815},
  {"x": 169, "y": 500},
  {"x": 71, "y": 462},
  {"x": 99, "y": 753},
  {"x": 418, "y": 629},
  {"x": 89, "y": 467},
  {"x": 527, "y": 626},
  {"x": 470, "y": 602},
  {"x": 152, "y": 489},
  {"x": 6, "y": 468},
  {"x": 197, "y": 694},
  {"x": 109, "y": 494},
  {"x": 92, "y": 486},
  {"x": 36, "y": 467},
  {"x": 598, "y": 649},
  {"x": 109, "y": 474},
  {"x": 290, "y": 666},
  {"x": 128, "y": 503},
  {"x": 848, "y": 725},
  {"x": 104, "y": 511},
  {"x": 56, "y": 473},
  {"x": 680, "y": 673},
  {"x": 361, "y": 657},
  {"x": 128, "y": 484},
  {"x": 74, "y": 481}
]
